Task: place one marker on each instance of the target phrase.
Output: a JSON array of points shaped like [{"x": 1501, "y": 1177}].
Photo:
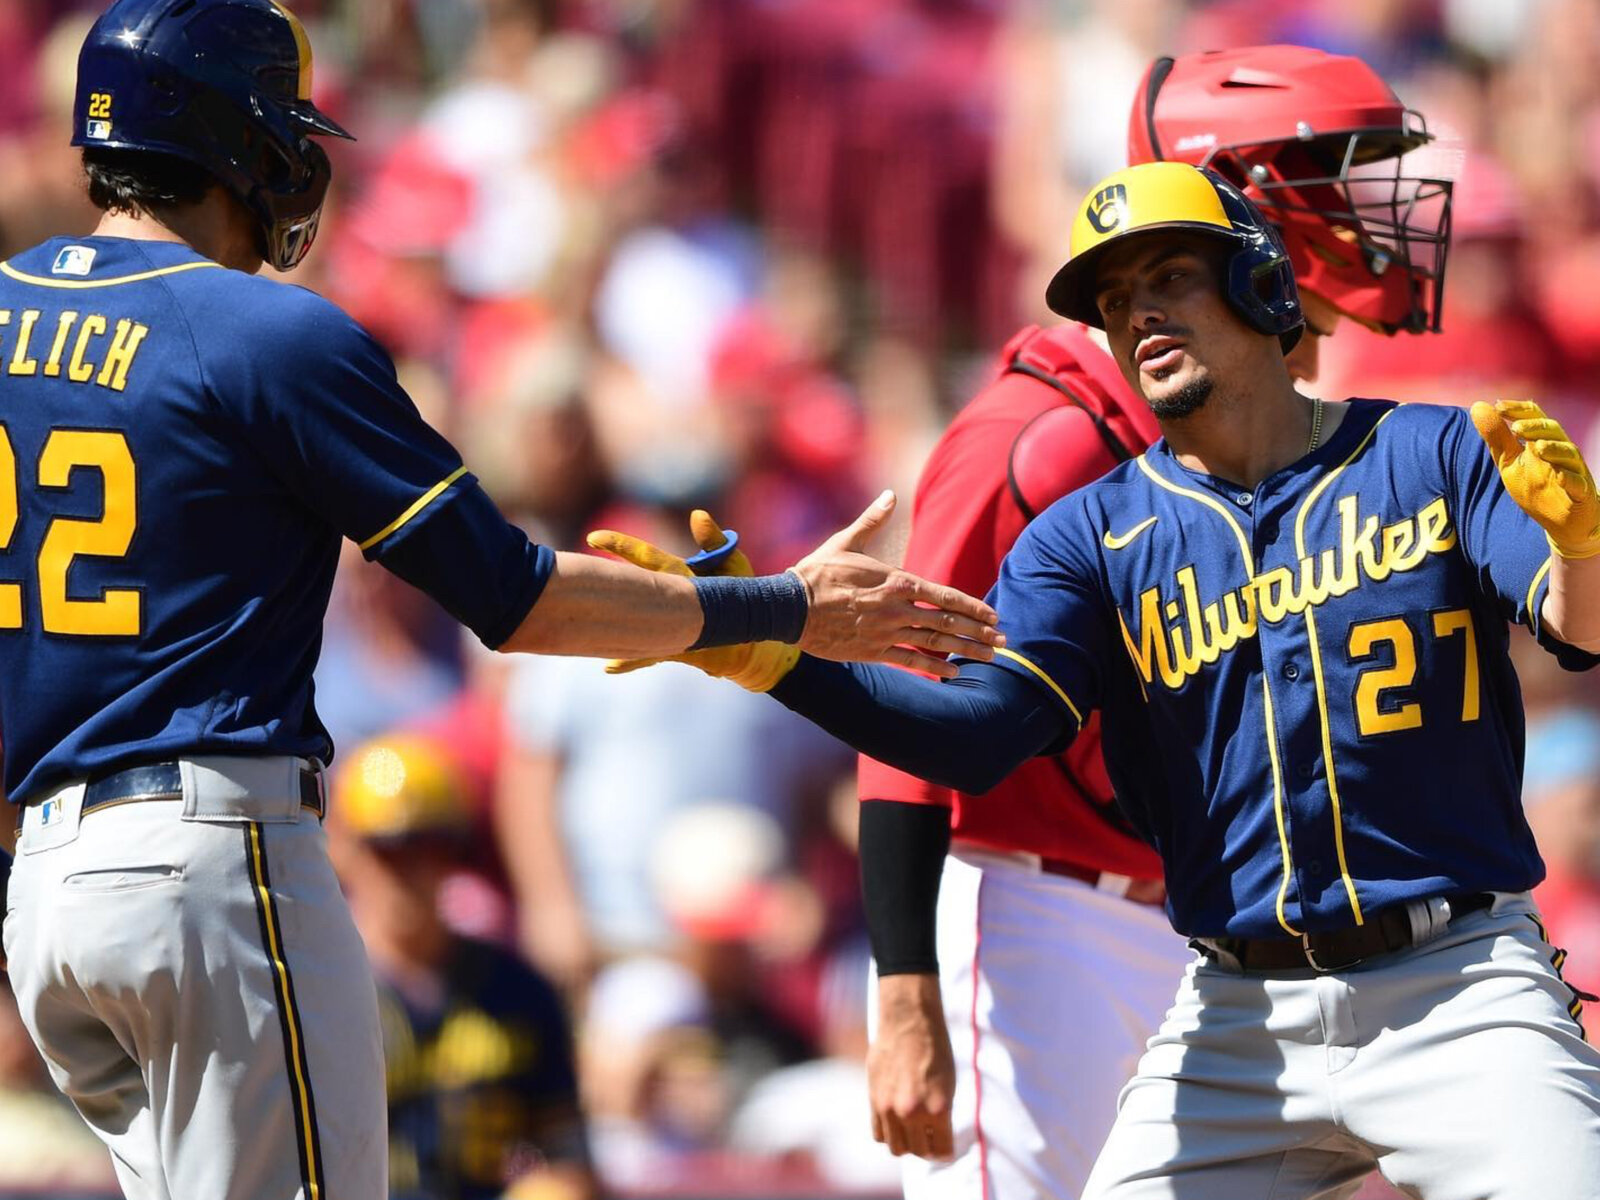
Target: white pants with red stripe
[{"x": 1051, "y": 989}]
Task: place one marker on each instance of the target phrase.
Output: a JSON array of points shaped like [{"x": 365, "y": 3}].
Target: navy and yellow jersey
[
  {"x": 482, "y": 1084},
  {"x": 1307, "y": 700},
  {"x": 182, "y": 447}
]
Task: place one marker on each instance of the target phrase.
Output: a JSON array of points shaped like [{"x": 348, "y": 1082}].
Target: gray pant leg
[
  {"x": 1500, "y": 1095},
  {"x": 215, "y": 964},
  {"x": 1455, "y": 1066}
]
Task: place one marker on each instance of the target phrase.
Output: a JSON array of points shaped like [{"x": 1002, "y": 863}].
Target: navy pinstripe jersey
[
  {"x": 181, "y": 449},
  {"x": 1307, "y": 698}
]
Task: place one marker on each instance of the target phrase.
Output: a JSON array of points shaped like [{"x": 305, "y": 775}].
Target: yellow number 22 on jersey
[{"x": 117, "y": 612}]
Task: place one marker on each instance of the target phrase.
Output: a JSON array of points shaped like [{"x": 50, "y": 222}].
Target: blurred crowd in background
[{"x": 639, "y": 256}]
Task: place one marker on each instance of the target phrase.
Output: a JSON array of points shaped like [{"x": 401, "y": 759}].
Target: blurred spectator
[
  {"x": 813, "y": 1109},
  {"x": 1561, "y": 794},
  {"x": 740, "y": 915},
  {"x": 42, "y": 190},
  {"x": 482, "y": 1088},
  {"x": 596, "y": 767},
  {"x": 791, "y": 430},
  {"x": 389, "y": 653},
  {"x": 530, "y": 434},
  {"x": 651, "y": 1083},
  {"x": 1056, "y": 65}
]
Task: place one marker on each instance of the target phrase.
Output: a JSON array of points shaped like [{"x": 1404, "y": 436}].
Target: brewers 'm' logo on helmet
[
  {"x": 1257, "y": 280},
  {"x": 1107, "y": 208}
]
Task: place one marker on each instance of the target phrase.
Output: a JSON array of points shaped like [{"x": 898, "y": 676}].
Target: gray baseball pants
[
  {"x": 1455, "y": 1067},
  {"x": 190, "y": 972}
]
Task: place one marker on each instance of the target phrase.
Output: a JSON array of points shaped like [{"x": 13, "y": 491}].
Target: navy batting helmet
[
  {"x": 225, "y": 84},
  {"x": 1258, "y": 283}
]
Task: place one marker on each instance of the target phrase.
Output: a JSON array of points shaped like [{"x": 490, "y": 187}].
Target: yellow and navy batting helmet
[
  {"x": 1257, "y": 279},
  {"x": 399, "y": 787}
]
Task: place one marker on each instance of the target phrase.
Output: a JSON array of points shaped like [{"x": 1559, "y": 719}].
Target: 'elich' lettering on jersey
[{"x": 102, "y": 347}]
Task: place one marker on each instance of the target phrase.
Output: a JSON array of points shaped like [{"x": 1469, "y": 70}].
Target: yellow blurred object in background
[{"x": 400, "y": 785}]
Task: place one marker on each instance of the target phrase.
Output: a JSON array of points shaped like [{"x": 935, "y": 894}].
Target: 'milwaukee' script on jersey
[
  {"x": 1177, "y": 636},
  {"x": 81, "y": 347}
]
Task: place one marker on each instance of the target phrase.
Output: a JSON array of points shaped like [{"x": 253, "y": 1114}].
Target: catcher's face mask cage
[{"x": 1372, "y": 236}]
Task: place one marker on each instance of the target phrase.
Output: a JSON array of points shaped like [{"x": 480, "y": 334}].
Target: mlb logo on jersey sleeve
[{"x": 73, "y": 260}]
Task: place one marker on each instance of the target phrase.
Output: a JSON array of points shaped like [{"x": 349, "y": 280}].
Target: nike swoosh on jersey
[{"x": 1114, "y": 542}]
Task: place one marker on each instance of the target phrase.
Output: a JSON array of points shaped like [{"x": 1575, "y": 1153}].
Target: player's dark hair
[{"x": 136, "y": 181}]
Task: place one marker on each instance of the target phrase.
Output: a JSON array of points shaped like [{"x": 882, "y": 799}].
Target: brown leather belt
[
  {"x": 1332, "y": 950},
  {"x": 1140, "y": 891}
]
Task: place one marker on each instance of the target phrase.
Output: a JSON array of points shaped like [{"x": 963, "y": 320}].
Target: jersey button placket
[{"x": 1284, "y": 653}]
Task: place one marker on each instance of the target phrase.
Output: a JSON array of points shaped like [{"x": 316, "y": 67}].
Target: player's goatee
[{"x": 1187, "y": 399}]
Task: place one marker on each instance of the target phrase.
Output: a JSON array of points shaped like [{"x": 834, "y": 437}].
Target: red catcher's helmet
[{"x": 1316, "y": 140}]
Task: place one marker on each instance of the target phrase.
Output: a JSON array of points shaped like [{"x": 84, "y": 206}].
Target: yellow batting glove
[
  {"x": 1544, "y": 473},
  {"x": 755, "y": 666},
  {"x": 638, "y": 551}
]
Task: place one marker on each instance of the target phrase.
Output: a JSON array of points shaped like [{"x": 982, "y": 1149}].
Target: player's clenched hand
[
  {"x": 911, "y": 1072},
  {"x": 755, "y": 666},
  {"x": 1544, "y": 473},
  {"x": 864, "y": 610}
]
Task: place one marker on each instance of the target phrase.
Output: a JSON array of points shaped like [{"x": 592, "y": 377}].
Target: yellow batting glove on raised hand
[
  {"x": 1544, "y": 473},
  {"x": 755, "y": 666}
]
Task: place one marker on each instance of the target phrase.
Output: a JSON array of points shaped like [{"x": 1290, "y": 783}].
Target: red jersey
[{"x": 1057, "y": 416}]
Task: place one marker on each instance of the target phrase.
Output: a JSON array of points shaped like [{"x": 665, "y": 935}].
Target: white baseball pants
[
  {"x": 1051, "y": 989},
  {"x": 191, "y": 974}
]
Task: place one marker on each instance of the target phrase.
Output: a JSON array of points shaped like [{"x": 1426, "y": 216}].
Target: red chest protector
[{"x": 1046, "y": 458}]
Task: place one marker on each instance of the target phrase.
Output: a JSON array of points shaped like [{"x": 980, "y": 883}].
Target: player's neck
[
  {"x": 1246, "y": 438},
  {"x": 218, "y": 227}
]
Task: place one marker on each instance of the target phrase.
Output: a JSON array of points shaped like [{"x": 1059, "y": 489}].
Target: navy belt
[
  {"x": 164, "y": 781},
  {"x": 1333, "y": 950}
]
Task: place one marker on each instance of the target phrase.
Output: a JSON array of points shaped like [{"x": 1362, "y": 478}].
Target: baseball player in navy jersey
[
  {"x": 1048, "y": 904},
  {"x": 1292, "y": 618},
  {"x": 182, "y": 447}
]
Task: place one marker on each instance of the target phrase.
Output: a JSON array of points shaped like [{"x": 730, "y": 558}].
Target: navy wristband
[{"x": 766, "y": 608}]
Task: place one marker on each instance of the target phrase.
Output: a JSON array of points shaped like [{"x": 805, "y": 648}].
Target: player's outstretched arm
[
  {"x": 1545, "y": 474},
  {"x": 836, "y": 603},
  {"x": 966, "y": 733}
]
